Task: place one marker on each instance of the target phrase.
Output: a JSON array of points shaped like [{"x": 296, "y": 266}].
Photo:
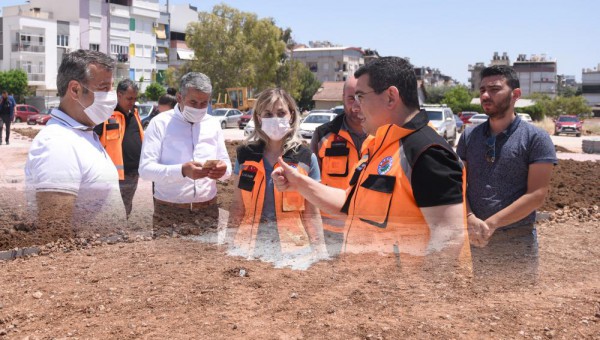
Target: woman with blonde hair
[{"x": 275, "y": 226}]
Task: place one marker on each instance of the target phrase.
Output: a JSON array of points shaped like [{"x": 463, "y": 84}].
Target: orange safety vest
[
  {"x": 338, "y": 156},
  {"x": 383, "y": 215},
  {"x": 288, "y": 205},
  {"x": 113, "y": 132}
]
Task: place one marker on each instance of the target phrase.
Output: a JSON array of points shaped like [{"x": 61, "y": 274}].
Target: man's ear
[
  {"x": 393, "y": 96},
  {"x": 516, "y": 94},
  {"x": 74, "y": 89}
]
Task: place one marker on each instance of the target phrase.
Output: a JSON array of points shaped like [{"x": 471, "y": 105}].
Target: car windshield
[
  {"x": 319, "y": 119},
  {"x": 479, "y": 117},
  {"x": 434, "y": 115},
  {"x": 568, "y": 119},
  {"x": 219, "y": 112},
  {"x": 144, "y": 110}
]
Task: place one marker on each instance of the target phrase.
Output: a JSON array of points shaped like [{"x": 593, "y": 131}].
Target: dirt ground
[{"x": 185, "y": 289}]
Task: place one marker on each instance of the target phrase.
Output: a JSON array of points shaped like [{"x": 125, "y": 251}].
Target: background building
[
  {"x": 536, "y": 75},
  {"x": 590, "y": 87},
  {"x": 331, "y": 63}
]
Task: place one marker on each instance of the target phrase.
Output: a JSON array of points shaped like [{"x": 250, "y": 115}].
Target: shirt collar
[
  {"x": 509, "y": 130},
  {"x": 66, "y": 120}
]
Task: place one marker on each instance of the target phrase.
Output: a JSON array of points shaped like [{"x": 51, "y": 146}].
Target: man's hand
[
  {"x": 217, "y": 170},
  {"x": 194, "y": 170},
  {"x": 285, "y": 177},
  {"x": 479, "y": 232}
]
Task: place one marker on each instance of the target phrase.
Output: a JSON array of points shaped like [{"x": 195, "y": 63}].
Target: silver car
[
  {"x": 477, "y": 119},
  {"x": 227, "y": 117},
  {"x": 442, "y": 118}
]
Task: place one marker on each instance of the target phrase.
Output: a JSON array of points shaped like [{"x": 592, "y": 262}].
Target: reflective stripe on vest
[
  {"x": 383, "y": 214},
  {"x": 288, "y": 209},
  {"x": 113, "y": 132}
]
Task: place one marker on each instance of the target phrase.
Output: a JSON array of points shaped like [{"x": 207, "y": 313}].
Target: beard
[{"x": 498, "y": 109}]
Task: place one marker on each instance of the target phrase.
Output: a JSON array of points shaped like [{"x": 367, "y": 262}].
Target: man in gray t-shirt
[{"x": 509, "y": 164}]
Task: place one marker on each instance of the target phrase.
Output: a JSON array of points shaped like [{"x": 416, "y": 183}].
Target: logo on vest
[{"x": 385, "y": 165}]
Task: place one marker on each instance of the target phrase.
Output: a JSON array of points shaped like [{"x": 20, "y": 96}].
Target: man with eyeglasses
[
  {"x": 337, "y": 145},
  {"x": 72, "y": 184},
  {"x": 184, "y": 154},
  {"x": 406, "y": 193},
  {"x": 509, "y": 164}
]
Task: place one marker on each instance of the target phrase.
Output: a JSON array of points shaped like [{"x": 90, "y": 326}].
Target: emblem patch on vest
[{"x": 385, "y": 165}]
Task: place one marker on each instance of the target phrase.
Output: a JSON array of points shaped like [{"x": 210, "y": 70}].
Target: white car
[
  {"x": 525, "y": 117},
  {"x": 249, "y": 128},
  {"x": 478, "y": 119},
  {"x": 227, "y": 117},
  {"x": 313, "y": 121},
  {"x": 442, "y": 118}
]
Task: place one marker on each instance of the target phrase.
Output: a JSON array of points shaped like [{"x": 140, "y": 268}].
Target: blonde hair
[{"x": 266, "y": 100}]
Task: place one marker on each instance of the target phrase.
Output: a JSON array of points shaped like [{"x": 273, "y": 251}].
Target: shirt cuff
[{"x": 175, "y": 170}]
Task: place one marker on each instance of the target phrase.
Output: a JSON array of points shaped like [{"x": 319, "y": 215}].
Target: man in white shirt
[
  {"x": 72, "y": 185},
  {"x": 184, "y": 154}
]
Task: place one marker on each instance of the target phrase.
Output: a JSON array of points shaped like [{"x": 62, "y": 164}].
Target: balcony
[
  {"x": 28, "y": 48},
  {"x": 36, "y": 77}
]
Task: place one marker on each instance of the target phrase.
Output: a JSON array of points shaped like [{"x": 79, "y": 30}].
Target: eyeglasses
[
  {"x": 490, "y": 154},
  {"x": 358, "y": 97}
]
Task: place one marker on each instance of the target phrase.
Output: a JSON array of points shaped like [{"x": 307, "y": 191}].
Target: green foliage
[
  {"x": 14, "y": 82},
  {"x": 154, "y": 91},
  {"x": 458, "y": 98},
  {"x": 302, "y": 85},
  {"x": 172, "y": 76},
  {"x": 566, "y": 106},
  {"x": 436, "y": 94},
  {"x": 235, "y": 48},
  {"x": 535, "y": 111}
]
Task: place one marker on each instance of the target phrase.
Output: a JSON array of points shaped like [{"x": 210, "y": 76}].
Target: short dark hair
[
  {"x": 125, "y": 84},
  {"x": 75, "y": 66},
  {"x": 512, "y": 79},
  {"x": 392, "y": 71},
  {"x": 172, "y": 91},
  {"x": 167, "y": 99}
]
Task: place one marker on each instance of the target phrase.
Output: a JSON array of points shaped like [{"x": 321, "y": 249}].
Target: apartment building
[
  {"x": 590, "y": 86},
  {"x": 179, "y": 52},
  {"x": 36, "y": 35},
  {"x": 331, "y": 63},
  {"x": 537, "y": 74}
]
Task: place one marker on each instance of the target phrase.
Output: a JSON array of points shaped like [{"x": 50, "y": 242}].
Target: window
[
  {"x": 313, "y": 67},
  {"x": 139, "y": 50},
  {"x": 94, "y": 47},
  {"x": 326, "y": 67},
  {"x": 62, "y": 40},
  {"x": 132, "y": 24}
]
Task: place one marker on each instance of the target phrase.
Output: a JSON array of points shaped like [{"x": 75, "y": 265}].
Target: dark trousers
[
  {"x": 168, "y": 219},
  {"x": 5, "y": 120},
  {"x": 128, "y": 187}
]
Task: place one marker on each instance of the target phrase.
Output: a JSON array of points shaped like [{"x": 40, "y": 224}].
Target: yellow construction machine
[{"x": 237, "y": 98}]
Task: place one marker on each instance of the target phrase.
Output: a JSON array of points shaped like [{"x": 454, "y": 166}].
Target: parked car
[
  {"x": 460, "y": 126},
  {"x": 249, "y": 128},
  {"x": 41, "y": 118},
  {"x": 145, "y": 109},
  {"x": 478, "y": 119},
  {"x": 23, "y": 111},
  {"x": 568, "y": 124},
  {"x": 526, "y": 117},
  {"x": 338, "y": 109},
  {"x": 227, "y": 117},
  {"x": 466, "y": 115},
  {"x": 313, "y": 121},
  {"x": 146, "y": 119},
  {"x": 442, "y": 118},
  {"x": 244, "y": 119}
]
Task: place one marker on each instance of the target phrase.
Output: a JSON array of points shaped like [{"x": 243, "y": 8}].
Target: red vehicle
[
  {"x": 41, "y": 118},
  {"x": 568, "y": 124},
  {"x": 245, "y": 119},
  {"x": 466, "y": 115},
  {"x": 23, "y": 111}
]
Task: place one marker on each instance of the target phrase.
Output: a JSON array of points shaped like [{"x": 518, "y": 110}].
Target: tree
[
  {"x": 301, "y": 85},
  {"x": 435, "y": 94},
  {"x": 14, "y": 82},
  {"x": 154, "y": 91},
  {"x": 458, "y": 98},
  {"x": 235, "y": 48},
  {"x": 172, "y": 76}
]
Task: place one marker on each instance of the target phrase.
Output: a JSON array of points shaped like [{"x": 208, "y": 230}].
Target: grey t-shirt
[{"x": 494, "y": 186}]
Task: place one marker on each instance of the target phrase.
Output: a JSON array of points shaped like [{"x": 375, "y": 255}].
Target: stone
[{"x": 37, "y": 295}]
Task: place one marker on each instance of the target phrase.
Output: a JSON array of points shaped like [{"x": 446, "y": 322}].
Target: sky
[{"x": 444, "y": 34}]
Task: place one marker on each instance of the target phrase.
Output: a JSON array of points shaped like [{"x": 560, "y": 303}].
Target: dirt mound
[{"x": 573, "y": 184}]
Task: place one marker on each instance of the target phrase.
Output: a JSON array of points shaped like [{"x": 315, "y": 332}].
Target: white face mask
[
  {"x": 276, "y": 128},
  {"x": 103, "y": 106},
  {"x": 192, "y": 114}
]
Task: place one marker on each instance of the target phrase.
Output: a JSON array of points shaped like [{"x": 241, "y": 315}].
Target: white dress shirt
[
  {"x": 68, "y": 157},
  {"x": 169, "y": 142}
]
